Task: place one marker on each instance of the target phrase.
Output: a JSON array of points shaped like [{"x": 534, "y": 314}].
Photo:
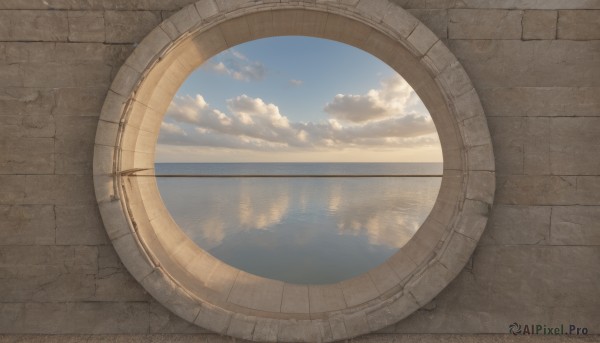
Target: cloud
[
  {"x": 296, "y": 83},
  {"x": 238, "y": 67},
  {"x": 394, "y": 120},
  {"x": 393, "y": 98}
]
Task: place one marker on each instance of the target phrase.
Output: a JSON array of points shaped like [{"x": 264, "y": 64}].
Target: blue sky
[{"x": 296, "y": 99}]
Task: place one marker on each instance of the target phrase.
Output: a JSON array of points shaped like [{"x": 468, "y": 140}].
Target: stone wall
[{"x": 535, "y": 65}]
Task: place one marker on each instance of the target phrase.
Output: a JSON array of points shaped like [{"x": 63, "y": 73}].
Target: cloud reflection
[{"x": 385, "y": 214}]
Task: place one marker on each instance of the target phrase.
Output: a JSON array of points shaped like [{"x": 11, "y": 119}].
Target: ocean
[{"x": 306, "y": 223}]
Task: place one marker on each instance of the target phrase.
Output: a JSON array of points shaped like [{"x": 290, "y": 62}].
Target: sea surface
[{"x": 307, "y": 223}]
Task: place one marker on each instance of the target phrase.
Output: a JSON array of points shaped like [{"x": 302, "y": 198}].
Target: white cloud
[
  {"x": 392, "y": 99},
  {"x": 238, "y": 67},
  {"x": 394, "y": 120},
  {"x": 296, "y": 83}
]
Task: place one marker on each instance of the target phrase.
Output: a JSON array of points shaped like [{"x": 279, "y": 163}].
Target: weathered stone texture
[
  {"x": 541, "y": 101},
  {"x": 575, "y": 225},
  {"x": 509, "y": 284},
  {"x": 579, "y": 25},
  {"x": 435, "y": 20},
  {"x": 484, "y": 24},
  {"x": 129, "y": 26},
  {"x": 33, "y": 26},
  {"x": 517, "y": 225},
  {"x": 539, "y": 24},
  {"x": 27, "y": 225},
  {"x": 516, "y": 63},
  {"x": 86, "y": 26},
  {"x": 574, "y": 146}
]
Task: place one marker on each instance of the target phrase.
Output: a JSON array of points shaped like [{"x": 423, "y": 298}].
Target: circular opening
[
  {"x": 298, "y": 159},
  {"x": 204, "y": 290}
]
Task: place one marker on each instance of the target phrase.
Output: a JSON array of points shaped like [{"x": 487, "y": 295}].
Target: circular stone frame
[{"x": 205, "y": 291}]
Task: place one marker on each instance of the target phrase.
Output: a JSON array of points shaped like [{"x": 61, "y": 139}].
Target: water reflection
[{"x": 302, "y": 230}]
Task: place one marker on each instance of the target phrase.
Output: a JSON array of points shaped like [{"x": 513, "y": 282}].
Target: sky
[{"x": 296, "y": 99}]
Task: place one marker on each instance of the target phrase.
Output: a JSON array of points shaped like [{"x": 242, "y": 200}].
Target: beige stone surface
[
  {"x": 484, "y": 24},
  {"x": 518, "y": 225},
  {"x": 579, "y": 25},
  {"x": 574, "y": 225},
  {"x": 539, "y": 24},
  {"x": 86, "y": 26}
]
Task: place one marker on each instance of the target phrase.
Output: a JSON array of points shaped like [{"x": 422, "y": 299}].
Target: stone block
[
  {"x": 25, "y": 101},
  {"x": 359, "y": 290},
  {"x": 455, "y": 80},
  {"x": 384, "y": 277},
  {"x": 27, "y": 224},
  {"x": 113, "y": 282},
  {"x": 541, "y": 101},
  {"x": 574, "y": 145},
  {"x": 59, "y": 75},
  {"x": 481, "y": 157},
  {"x": 507, "y": 140},
  {"x": 539, "y": 24},
  {"x": 265, "y": 330},
  {"x": 356, "y": 323},
  {"x": 137, "y": 264},
  {"x": 63, "y": 259},
  {"x": 241, "y": 327},
  {"x": 43, "y": 284},
  {"x": 129, "y": 26},
  {"x": 402, "y": 22},
  {"x": 295, "y": 299},
  {"x": 27, "y": 156},
  {"x": 539, "y": 190},
  {"x": 575, "y": 225},
  {"x": 150, "y": 49},
  {"x": 125, "y": 81},
  {"x": 579, "y": 25},
  {"x": 390, "y": 314},
  {"x": 186, "y": 19},
  {"x": 207, "y": 8},
  {"x": 436, "y": 20},
  {"x": 298, "y": 331},
  {"x": 256, "y": 293},
  {"x": 325, "y": 298},
  {"x": 30, "y": 51},
  {"x": 75, "y": 318},
  {"x": 213, "y": 319},
  {"x": 79, "y": 101},
  {"x": 517, "y": 225},
  {"x": 474, "y": 217},
  {"x": 86, "y": 26},
  {"x": 79, "y": 225},
  {"x": 536, "y": 151},
  {"x": 11, "y": 75},
  {"x": 516, "y": 63},
  {"x": 423, "y": 287},
  {"x": 25, "y": 25},
  {"x": 422, "y": 39},
  {"x": 107, "y": 133},
  {"x": 587, "y": 190},
  {"x": 163, "y": 321},
  {"x": 375, "y": 9},
  {"x": 484, "y": 24},
  {"x": 438, "y": 58},
  {"x": 338, "y": 328},
  {"x": 114, "y": 220}
]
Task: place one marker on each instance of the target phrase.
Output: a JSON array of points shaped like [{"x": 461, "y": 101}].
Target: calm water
[{"x": 299, "y": 229}]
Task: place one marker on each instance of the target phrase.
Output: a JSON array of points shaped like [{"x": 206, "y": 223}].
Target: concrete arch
[{"x": 201, "y": 289}]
